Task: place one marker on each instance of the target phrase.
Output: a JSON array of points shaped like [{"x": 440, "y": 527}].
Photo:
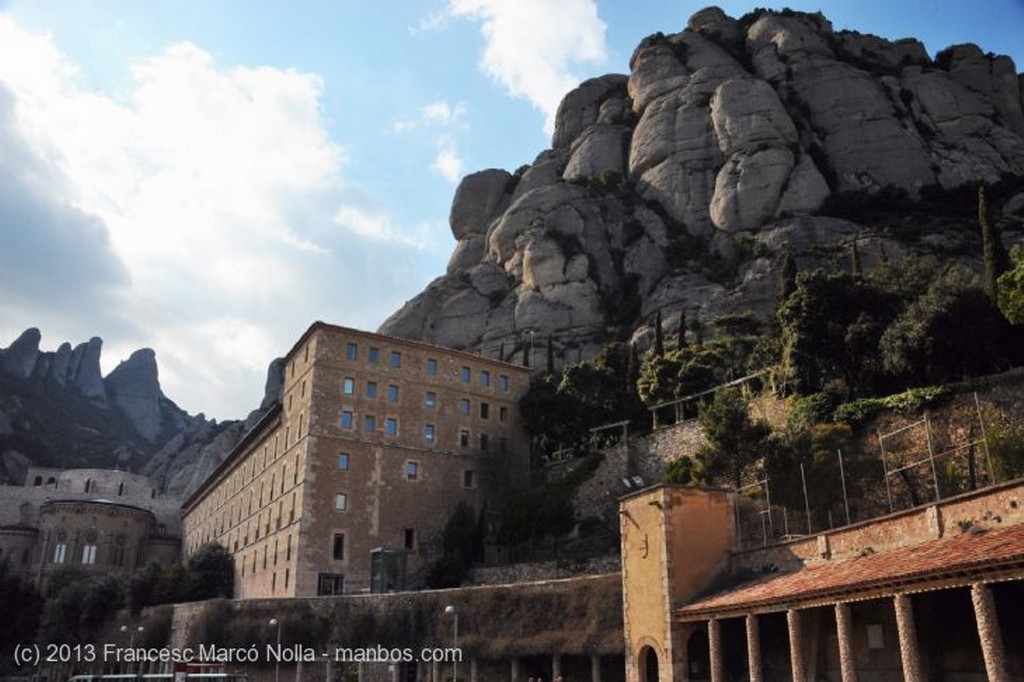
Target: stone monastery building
[
  {"x": 346, "y": 485},
  {"x": 99, "y": 520}
]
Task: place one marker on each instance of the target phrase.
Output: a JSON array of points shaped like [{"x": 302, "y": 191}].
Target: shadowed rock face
[
  {"x": 680, "y": 186},
  {"x": 56, "y": 409}
]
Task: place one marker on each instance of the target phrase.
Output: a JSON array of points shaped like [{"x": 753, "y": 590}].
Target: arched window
[
  {"x": 88, "y": 484},
  {"x": 38, "y": 481}
]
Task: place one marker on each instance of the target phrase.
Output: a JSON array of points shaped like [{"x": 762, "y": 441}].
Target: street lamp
[
  {"x": 452, "y": 611},
  {"x": 131, "y": 634},
  {"x": 274, "y": 622}
]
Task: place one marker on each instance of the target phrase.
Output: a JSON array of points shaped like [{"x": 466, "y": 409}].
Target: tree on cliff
[
  {"x": 733, "y": 439},
  {"x": 1011, "y": 288}
]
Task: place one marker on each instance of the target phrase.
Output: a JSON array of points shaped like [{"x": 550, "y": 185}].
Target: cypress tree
[
  {"x": 659, "y": 341},
  {"x": 997, "y": 261},
  {"x": 551, "y": 355},
  {"x": 681, "y": 333},
  {"x": 787, "y": 278},
  {"x": 526, "y": 355},
  {"x": 858, "y": 270}
]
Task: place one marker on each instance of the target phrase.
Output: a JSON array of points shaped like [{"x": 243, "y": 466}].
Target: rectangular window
[
  {"x": 348, "y": 386},
  {"x": 467, "y": 478},
  {"x": 89, "y": 554},
  {"x": 484, "y": 441},
  {"x": 412, "y": 470},
  {"x": 503, "y": 445},
  {"x": 485, "y": 378},
  {"x": 485, "y": 411},
  {"x": 392, "y": 394},
  {"x": 396, "y": 359},
  {"x": 429, "y": 433},
  {"x": 339, "y": 547},
  {"x": 371, "y": 389},
  {"x": 410, "y": 539},
  {"x": 431, "y": 367},
  {"x": 351, "y": 351},
  {"x": 343, "y": 461},
  {"x": 464, "y": 406},
  {"x": 346, "y": 419},
  {"x": 503, "y": 414},
  {"x": 465, "y": 375},
  {"x": 340, "y": 501},
  {"x": 391, "y": 426},
  {"x": 369, "y": 424},
  {"x": 503, "y": 383},
  {"x": 464, "y": 438},
  {"x": 374, "y": 355},
  {"x": 431, "y": 400}
]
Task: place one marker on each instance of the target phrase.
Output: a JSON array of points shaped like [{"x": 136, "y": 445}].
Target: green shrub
[{"x": 1006, "y": 448}]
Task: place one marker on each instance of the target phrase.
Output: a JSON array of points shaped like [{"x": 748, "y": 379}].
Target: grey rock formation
[
  {"x": 731, "y": 138},
  {"x": 274, "y": 384},
  {"x": 134, "y": 387},
  {"x": 84, "y": 369},
  {"x": 20, "y": 358}
]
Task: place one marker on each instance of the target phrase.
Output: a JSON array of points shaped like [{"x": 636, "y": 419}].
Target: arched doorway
[
  {"x": 648, "y": 664},
  {"x": 698, "y": 653}
]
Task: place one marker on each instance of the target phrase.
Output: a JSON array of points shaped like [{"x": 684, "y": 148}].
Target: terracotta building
[
  {"x": 100, "y": 520},
  {"x": 345, "y": 486},
  {"x": 930, "y": 593}
]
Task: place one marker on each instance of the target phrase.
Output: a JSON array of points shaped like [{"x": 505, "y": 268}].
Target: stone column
[
  {"x": 796, "y": 645},
  {"x": 715, "y": 650},
  {"x": 474, "y": 670},
  {"x": 595, "y": 668},
  {"x": 556, "y": 666},
  {"x": 515, "y": 670},
  {"x": 754, "y": 668},
  {"x": 435, "y": 672},
  {"x": 328, "y": 668},
  {"x": 910, "y": 653},
  {"x": 988, "y": 632},
  {"x": 844, "y": 632}
]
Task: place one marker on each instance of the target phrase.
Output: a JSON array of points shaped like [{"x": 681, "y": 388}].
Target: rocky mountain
[
  {"x": 57, "y": 409},
  {"x": 680, "y": 187}
]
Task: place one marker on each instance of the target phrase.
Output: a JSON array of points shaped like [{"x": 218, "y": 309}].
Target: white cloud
[
  {"x": 448, "y": 162},
  {"x": 436, "y": 114},
  {"x": 222, "y": 198},
  {"x": 373, "y": 225},
  {"x": 533, "y": 44}
]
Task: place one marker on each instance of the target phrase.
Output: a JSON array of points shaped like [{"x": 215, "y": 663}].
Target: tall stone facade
[{"x": 346, "y": 486}]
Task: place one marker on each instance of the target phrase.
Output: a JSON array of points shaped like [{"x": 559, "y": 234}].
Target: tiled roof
[{"x": 974, "y": 554}]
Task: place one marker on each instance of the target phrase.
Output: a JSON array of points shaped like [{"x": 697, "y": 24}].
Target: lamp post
[
  {"x": 274, "y": 622},
  {"x": 451, "y": 610},
  {"x": 131, "y": 634}
]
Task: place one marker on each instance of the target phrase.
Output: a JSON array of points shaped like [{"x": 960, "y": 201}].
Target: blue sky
[{"x": 208, "y": 178}]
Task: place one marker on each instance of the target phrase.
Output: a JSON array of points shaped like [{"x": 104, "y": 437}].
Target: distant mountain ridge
[
  {"x": 678, "y": 188},
  {"x": 57, "y": 409}
]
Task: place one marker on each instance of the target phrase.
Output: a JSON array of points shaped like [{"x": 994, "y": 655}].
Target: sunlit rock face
[{"x": 679, "y": 187}]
